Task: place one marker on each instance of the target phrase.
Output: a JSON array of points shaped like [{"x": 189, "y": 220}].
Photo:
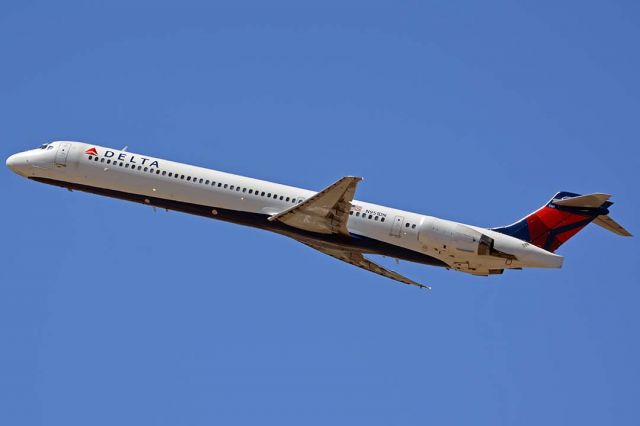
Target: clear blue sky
[{"x": 478, "y": 112}]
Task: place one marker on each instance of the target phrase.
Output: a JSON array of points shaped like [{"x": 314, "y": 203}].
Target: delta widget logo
[{"x": 91, "y": 151}]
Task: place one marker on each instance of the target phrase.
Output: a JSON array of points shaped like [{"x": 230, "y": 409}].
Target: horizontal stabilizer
[
  {"x": 611, "y": 225},
  {"x": 588, "y": 201}
]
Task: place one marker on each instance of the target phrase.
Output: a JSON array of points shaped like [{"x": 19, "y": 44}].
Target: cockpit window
[
  {"x": 44, "y": 146},
  {"x": 49, "y": 147}
]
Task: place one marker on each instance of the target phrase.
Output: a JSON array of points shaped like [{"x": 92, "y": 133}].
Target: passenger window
[
  {"x": 406, "y": 225},
  {"x": 281, "y": 197},
  {"x": 413, "y": 226},
  {"x": 287, "y": 199},
  {"x": 269, "y": 195},
  {"x": 206, "y": 182},
  {"x": 139, "y": 167},
  {"x": 262, "y": 194},
  {"x": 188, "y": 178},
  {"x": 351, "y": 213},
  {"x": 102, "y": 160},
  {"x": 201, "y": 180},
  {"x": 225, "y": 186},
  {"x": 251, "y": 191},
  {"x": 244, "y": 189},
  {"x": 126, "y": 166},
  {"x": 108, "y": 161},
  {"x": 90, "y": 158},
  {"x": 170, "y": 174},
  {"x": 158, "y": 171},
  {"x": 95, "y": 159},
  {"x": 219, "y": 184},
  {"x": 237, "y": 188},
  {"x": 370, "y": 216},
  {"x": 146, "y": 168},
  {"x": 164, "y": 173},
  {"x": 357, "y": 214},
  {"x": 382, "y": 219},
  {"x": 231, "y": 187},
  {"x": 375, "y": 218},
  {"x": 181, "y": 176},
  {"x": 150, "y": 170}
]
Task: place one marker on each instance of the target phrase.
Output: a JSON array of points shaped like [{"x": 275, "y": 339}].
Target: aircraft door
[
  {"x": 61, "y": 154},
  {"x": 396, "y": 226}
]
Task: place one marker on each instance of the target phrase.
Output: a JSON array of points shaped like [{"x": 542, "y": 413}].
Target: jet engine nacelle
[{"x": 451, "y": 236}]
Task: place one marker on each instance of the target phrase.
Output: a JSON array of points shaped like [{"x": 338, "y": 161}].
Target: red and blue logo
[{"x": 552, "y": 225}]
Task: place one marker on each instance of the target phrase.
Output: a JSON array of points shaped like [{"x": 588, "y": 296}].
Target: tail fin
[{"x": 563, "y": 217}]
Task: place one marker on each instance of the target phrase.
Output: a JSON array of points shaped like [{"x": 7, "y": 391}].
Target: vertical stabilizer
[{"x": 561, "y": 218}]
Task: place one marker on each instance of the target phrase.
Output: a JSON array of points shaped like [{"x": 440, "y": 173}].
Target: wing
[
  {"x": 326, "y": 212},
  {"x": 357, "y": 259}
]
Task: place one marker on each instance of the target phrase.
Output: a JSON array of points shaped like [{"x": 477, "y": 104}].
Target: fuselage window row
[
  {"x": 364, "y": 216},
  {"x": 201, "y": 180}
]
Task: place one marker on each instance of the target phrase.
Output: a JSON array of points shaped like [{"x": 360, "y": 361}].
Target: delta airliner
[{"x": 330, "y": 221}]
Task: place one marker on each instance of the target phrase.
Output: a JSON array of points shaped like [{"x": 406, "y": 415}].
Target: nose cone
[
  {"x": 12, "y": 162},
  {"x": 17, "y": 163}
]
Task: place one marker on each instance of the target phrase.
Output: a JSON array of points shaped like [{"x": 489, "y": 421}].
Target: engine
[{"x": 455, "y": 237}]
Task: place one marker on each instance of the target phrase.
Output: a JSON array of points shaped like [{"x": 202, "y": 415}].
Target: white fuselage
[{"x": 375, "y": 229}]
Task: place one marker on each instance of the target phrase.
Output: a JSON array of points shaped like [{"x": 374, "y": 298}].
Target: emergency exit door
[
  {"x": 396, "y": 226},
  {"x": 62, "y": 153}
]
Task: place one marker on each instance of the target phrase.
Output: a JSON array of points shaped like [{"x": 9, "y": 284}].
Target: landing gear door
[
  {"x": 396, "y": 226},
  {"x": 62, "y": 153}
]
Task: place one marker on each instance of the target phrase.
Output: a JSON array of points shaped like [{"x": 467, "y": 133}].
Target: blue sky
[{"x": 474, "y": 111}]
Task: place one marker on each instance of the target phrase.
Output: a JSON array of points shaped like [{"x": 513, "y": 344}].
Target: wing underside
[{"x": 357, "y": 259}]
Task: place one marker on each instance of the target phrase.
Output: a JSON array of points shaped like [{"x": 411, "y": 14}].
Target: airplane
[{"x": 330, "y": 221}]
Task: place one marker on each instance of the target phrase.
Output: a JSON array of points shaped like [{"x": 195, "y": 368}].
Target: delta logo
[{"x": 123, "y": 156}]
